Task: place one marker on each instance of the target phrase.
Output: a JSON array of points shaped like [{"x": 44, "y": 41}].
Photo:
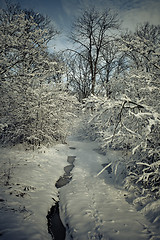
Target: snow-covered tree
[
  {"x": 143, "y": 47},
  {"x": 52, "y": 112},
  {"x": 28, "y": 108}
]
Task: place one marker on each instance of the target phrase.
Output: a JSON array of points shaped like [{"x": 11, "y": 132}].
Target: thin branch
[{"x": 120, "y": 117}]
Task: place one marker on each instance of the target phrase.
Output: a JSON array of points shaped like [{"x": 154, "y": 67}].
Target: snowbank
[{"x": 27, "y": 190}]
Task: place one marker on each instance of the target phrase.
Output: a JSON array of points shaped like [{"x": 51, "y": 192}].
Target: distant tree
[
  {"x": 78, "y": 76},
  {"x": 91, "y": 33},
  {"x": 58, "y": 75},
  {"x": 111, "y": 65}
]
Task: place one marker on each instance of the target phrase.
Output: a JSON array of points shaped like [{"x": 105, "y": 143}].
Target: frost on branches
[
  {"x": 129, "y": 120},
  {"x": 32, "y": 110}
]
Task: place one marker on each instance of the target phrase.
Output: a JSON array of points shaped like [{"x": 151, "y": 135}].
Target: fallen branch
[{"x": 104, "y": 169}]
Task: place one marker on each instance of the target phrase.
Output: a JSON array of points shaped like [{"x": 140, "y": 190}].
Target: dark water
[
  {"x": 66, "y": 178},
  {"x": 55, "y": 225}
]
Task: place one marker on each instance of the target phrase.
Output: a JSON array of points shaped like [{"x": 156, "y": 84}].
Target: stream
[{"x": 55, "y": 225}]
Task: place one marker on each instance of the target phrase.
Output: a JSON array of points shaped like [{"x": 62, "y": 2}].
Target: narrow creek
[{"x": 55, "y": 225}]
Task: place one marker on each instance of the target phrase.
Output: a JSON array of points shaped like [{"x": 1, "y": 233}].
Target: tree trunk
[{"x": 93, "y": 84}]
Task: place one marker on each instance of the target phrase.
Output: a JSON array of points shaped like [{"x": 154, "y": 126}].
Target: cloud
[
  {"x": 131, "y": 12},
  {"x": 59, "y": 44},
  {"x": 141, "y": 11},
  {"x": 70, "y": 7}
]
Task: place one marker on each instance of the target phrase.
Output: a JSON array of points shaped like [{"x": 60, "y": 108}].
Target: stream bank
[{"x": 55, "y": 225}]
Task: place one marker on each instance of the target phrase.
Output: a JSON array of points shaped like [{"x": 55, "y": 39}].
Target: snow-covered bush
[
  {"x": 129, "y": 119},
  {"x": 46, "y": 119},
  {"x": 133, "y": 128}
]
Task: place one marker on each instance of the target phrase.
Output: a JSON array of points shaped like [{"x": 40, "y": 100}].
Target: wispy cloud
[
  {"x": 70, "y": 7},
  {"x": 132, "y": 12},
  {"x": 140, "y": 12}
]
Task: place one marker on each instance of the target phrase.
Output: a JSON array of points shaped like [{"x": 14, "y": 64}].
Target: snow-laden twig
[{"x": 108, "y": 165}]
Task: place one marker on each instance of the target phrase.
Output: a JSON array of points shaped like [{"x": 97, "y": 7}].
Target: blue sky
[{"x": 62, "y": 12}]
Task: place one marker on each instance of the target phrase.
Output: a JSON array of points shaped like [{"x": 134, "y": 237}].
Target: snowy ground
[
  {"x": 27, "y": 186},
  {"x": 94, "y": 207},
  {"x": 91, "y": 206}
]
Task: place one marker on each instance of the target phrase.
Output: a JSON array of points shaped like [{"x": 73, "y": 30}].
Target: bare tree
[
  {"x": 110, "y": 64},
  {"x": 91, "y": 32},
  {"x": 78, "y": 76}
]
